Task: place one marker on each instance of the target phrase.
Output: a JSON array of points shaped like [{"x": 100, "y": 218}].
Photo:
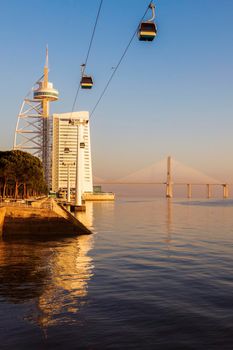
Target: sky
[{"x": 172, "y": 96}]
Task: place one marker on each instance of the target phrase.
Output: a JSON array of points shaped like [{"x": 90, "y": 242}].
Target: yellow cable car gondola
[{"x": 147, "y": 30}]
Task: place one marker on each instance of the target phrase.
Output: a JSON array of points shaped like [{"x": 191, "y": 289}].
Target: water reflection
[
  {"x": 103, "y": 210},
  {"x": 86, "y": 217},
  {"x": 169, "y": 219},
  {"x": 54, "y": 275},
  {"x": 20, "y": 277}
]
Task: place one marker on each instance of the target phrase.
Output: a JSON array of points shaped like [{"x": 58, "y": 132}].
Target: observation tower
[{"x": 33, "y": 129}]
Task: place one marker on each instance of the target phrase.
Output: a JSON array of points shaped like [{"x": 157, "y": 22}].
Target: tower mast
[
  {"x": 45, "y": 102},
  {"x": 46, "y": 93},
  {"x": 33, "y": 132}
]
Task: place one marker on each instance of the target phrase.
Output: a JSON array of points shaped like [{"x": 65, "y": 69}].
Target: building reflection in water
[
  {"x": 86, "y": 217},
  {"x": 71, "y": 269},
  {"x": 53, "y": 274}
]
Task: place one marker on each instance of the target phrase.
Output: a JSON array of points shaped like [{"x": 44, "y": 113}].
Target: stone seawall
[{"x": 52, "y": 221}]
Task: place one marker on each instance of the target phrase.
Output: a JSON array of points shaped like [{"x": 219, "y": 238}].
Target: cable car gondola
[
  {"x": 148, "y": 30},
  {"x": 86, "y": 82}
]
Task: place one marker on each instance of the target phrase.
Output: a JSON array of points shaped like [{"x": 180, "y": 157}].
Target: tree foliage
[{"x": 21, "y": 174}]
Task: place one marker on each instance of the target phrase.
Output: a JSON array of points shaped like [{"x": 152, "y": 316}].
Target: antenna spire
[
  {"x": 47, "y": 57},
  {"x": 46, "y": 67}
]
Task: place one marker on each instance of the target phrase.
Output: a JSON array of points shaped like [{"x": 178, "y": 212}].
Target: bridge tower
[
  {"x": 33, "y": 128},
  {"x": 169, "y": 189}
]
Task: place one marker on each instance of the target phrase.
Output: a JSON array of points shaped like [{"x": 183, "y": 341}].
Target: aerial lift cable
[
  {"x": 88, "y": 53},
  {"x": 118, "y": 64}
]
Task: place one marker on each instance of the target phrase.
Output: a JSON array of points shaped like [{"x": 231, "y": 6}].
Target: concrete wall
[
  {"x": 38, "y": 203},
  {"x": 99, "y": 196},
  {"x": 44, "y": 222},
  {"x": 68, "y": 216},
  {"x": 2, "y": 217}
]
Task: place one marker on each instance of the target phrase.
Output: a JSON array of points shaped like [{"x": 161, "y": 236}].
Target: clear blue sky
[{"x": 172, "y": 96}]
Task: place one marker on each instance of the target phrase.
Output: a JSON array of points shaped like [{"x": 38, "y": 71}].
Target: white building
[{"x": 65, "y": 150}]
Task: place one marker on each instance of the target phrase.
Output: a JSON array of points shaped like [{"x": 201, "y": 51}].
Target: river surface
[{"x": 156, "y": 274}]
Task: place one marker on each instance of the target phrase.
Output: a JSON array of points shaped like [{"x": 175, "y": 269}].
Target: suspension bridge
[{"x": 170, "y": 172}]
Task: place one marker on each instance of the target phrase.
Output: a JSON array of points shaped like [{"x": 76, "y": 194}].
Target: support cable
[
  {"x": 82, "y": 74},
  {"x": 88, "y": 53},
  {"x": 118, "y": 64}
]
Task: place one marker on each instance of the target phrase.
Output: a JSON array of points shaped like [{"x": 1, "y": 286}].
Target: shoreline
[{"x": 42, "y": 218}]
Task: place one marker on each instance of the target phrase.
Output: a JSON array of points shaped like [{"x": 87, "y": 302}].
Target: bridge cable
[
  {"x": 118, "y": 64},
  {"x": 88, "y": 53}
]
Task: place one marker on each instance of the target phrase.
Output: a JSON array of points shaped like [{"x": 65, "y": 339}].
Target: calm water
[{"x": 157, "y": 274}]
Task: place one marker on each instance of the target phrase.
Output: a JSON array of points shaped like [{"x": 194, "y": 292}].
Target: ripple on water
[{"x": 157, "y": 274}]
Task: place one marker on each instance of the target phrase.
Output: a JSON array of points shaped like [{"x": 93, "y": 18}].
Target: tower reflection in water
[
  {"x": 54, "y": 275},
  {"x": 86, "y": 217}
]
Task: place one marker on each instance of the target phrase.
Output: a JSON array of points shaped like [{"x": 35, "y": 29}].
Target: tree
[{"x": 22, "y": 170}]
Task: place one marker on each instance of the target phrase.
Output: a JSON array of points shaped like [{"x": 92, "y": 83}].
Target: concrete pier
[
  {"x": 47, "y": 220},
  {"x": 169, "y": 187},
  {"x": 189, "y": 190},
  {"x": 102, "y": 196},
  {"x": 209, "y": 192},
  {"x": 2, "y": 218},
  {"x": 225, "y": 191},
  {"x": 169, "y": 190}
]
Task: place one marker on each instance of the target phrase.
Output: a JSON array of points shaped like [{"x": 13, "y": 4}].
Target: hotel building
[{"x": 65, "y": 138}]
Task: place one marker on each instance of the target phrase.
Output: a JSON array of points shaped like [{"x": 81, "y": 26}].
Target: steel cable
[
  {"x": 118, "y": 64},
  {"x": 88, "y": 53}
]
